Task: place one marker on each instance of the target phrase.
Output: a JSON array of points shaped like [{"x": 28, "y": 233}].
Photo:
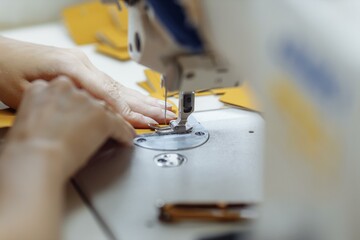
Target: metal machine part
[
  {"x": 180, "y": 125},
  {"x": 186, "y": 107},
  {"x": 188, "y": 63},
  {"x": 169, "y": 159},
  {"x": 207, "y": 212},
  {"x": 126, "y": 189},
  {"x": 166, "y": 142}
]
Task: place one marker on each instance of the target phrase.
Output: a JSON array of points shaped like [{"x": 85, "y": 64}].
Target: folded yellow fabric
[
  {"x": 7, "y": 118},
  {"x": 119, "y": 54},
  {"x": 106, "y": 25},
  {"x": 112, "y": 37},
  {"x": 84, "y": 20},
  {"x": 242, "y": 97},
  {"x": 119, "y": 17}
]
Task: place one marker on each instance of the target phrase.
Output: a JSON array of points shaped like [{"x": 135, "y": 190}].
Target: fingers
[
  {"x": 150, "y": 100},
  {"x": 161, "y": 104},
  {"x": 34, "y": 90},
  {"x": 36, "y": 87},
  {"x": 142, "y": 109},
  {"x": 89, "y": 79},
  {"x": 61, "y": 83},
  {"x": 138, "y": 120},
  {"x": 155, "y": 112},
  {"x": 121, "y": 130}
]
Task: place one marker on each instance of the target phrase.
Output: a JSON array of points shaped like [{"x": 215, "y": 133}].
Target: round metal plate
[{"x": 197, "y": 137}]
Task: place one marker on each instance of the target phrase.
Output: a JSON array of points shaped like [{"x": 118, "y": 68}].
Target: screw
[
  {"x": 140, "y": 140},
  {"x": 199, "y": 133},
  {"x": 137, "y": 42},
  {"x": 190, "y": 75},
  {"x": 162, "y": 160}
]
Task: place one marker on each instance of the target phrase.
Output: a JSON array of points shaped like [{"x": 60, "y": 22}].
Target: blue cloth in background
[{"x": 173, "y": 16}]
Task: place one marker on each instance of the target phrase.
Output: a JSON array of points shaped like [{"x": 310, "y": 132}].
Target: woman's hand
[
  {"x": 21, "y": 63},
  {"x": 66, "y": 122}
]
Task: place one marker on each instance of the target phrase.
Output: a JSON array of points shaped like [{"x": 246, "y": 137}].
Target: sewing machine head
[{"x": 167, "y": 37}]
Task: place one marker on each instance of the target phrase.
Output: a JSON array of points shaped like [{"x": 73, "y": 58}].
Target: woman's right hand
[{"x": 59, "y": 118}]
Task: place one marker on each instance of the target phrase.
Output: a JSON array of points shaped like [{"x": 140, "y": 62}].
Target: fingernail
[
  {"x": 162, "y": 104},
  {"x": 170, "y": 114},
  {"x": 151, "y": 121}
]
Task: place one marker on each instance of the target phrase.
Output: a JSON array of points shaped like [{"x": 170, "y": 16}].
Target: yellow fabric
[
  {"x": 112, "y": 37},
  {"x": 6, "y": 118},
  {"x": 119, "y": 17},
  {"x": 241, "y": 97},
  {"x": 145, "y": 86},
  {"x": 154, "y": 82},
  {"x": 119, "y": 54},
  {"x": 106, "y": 25},
  {"x": 84, "y": 20}
]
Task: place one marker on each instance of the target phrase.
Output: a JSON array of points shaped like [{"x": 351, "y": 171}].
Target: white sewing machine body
[{"x": 302, "y": 59}]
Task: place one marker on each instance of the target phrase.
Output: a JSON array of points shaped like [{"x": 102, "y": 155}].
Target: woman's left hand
[{"x": 21, "y": 63}]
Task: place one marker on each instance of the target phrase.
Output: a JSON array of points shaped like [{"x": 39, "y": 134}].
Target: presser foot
[{"x": 167, "y": 138}]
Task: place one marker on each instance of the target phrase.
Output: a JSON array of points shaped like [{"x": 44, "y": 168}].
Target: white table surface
[{"x": 80, "y": 222}]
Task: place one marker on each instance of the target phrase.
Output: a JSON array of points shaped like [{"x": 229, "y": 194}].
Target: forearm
[{"x": 31, "y": 188}]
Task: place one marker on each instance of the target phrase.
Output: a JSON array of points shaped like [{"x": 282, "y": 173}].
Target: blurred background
[{"x": 19, "y": 13}]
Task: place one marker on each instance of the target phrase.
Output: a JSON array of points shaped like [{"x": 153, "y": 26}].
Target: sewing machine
[
  {"x": 303, "y": 71},
  {"x": 169, "y": 45},
  {"x": 302, "y": 58},
  {"x": 210, "y": 158},
  {"x": 308, "y": 85}
]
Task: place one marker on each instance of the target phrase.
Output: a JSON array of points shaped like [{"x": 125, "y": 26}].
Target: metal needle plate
[{"x": 197, "y": 137}]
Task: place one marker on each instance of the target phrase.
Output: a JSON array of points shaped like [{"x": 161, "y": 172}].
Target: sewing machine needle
[
  {"x": 163, "y": 85},
  {"x": 165, "y": 104}
]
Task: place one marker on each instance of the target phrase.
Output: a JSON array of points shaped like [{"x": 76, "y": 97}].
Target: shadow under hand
[{"x": 108, "y": 164}]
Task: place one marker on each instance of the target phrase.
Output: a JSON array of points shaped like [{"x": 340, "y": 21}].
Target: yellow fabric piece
[
  {"x": 112, "y": 37},
  {"x": 84, "y": 20},
  {"x": 145, "y": 86},
  {"x": 95, "y": 22},
  {"x": 119, "y": 54},
  {"x": 242, "y": 97},
  {"x": 6, "y": 118},
  {"x": 154, "y": 81},
  {"x": 119, "y": 17}
]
